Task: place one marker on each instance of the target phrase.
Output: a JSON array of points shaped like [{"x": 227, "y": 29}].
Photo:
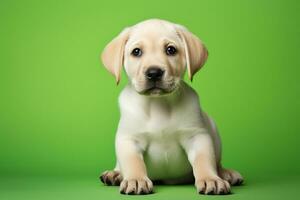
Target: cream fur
[{"x": 165, "y": 137}]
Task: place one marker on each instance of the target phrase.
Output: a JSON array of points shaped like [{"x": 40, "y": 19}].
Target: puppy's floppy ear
[
  {"x": 195, "y": 51},
  {"x": 113, "y": 54}
]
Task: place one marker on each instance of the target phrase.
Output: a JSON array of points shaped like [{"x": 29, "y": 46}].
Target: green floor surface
[{"x": 90, "y": 188}]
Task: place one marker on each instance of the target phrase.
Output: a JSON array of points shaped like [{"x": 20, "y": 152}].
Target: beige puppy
[{"x": 163, "y": 134}]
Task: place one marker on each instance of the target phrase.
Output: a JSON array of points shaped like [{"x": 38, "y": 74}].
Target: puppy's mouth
[{"x": 156, "y": 89}]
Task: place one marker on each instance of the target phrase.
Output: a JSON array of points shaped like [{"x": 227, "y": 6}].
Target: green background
[{"x": 59, "y": 112}]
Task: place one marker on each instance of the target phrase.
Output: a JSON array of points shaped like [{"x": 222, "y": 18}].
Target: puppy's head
[{"x": 155, "y": 54}]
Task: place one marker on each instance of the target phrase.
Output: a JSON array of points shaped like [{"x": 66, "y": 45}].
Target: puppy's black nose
[{"x": 154, "y": 74}]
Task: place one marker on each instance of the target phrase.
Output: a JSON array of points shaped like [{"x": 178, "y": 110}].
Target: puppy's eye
[
  {"x": 171, "y": 50},
  {"x": 136, "y": 52}
]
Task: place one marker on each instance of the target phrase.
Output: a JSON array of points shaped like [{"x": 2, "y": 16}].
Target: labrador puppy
[{"x": 163, "y": 134}]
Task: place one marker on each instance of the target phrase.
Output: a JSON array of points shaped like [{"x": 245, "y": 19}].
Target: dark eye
[
  {"x": 170, "y": 51},
  {"x": 136, "y": 52}
]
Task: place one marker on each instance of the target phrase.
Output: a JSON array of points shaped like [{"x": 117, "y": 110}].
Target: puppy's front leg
[
  {"x": 200, "y": 151},
  {"x": 130, "y": 158}
]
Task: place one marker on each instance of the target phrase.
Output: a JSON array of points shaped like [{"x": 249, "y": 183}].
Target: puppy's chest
[
  {"x": 163, "y": 123},
  {"x": 164, "y": 129}
]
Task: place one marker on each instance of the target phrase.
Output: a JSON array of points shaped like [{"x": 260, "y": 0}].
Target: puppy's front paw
[
  {"x": 136, "y": 186},
  {"x": 111, "y": 177},
  {"x": 212, "y": 186}
]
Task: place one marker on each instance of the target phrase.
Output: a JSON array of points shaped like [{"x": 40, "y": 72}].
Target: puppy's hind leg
[
  {"x": 112, "y": 177},
  {"x": 230, "y": 175}
]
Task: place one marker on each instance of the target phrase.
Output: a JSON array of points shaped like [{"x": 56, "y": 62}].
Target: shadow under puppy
[{"x": 163, "y": 134}]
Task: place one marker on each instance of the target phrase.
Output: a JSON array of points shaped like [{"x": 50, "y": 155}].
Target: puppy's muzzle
[{"x": 154, "y": 74}]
